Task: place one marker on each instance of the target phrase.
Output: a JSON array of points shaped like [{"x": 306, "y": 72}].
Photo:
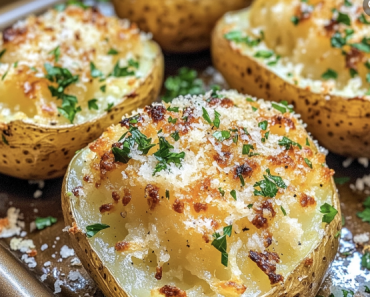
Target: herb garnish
[
  {"x": 165, "y": 157},
  {"x": 308, "y": 162},
  {"x": 2, "y": 52},
  {"x": 238, "y": 37},
  {"x": 329, "y": 213},
  {"x": 285, "y": 141},
  {"x": 222, "y": 135},
  {"x": 109, "y": 107},
  {"x": 56, "y": 53},
  {"x": 264, "y": 54},
  {"x": 283, "y": 210},
  {"x": 171, "y": 120},
  {"x": 233, "y": 194},
  {"x": 112, "y": 51},
  {"x": 92, "y": 104},
  {"x": 365, "y": 214},
  {"x": 125, "y": 71},
  {"x": 220, "y": 244},
  {"x": 92, "y": 230},
  {"x": 4, "y": 139},
  {"x": 63, "y": 78},
  {"x": 174, "y": 109},
  {"x": 269, "y": 185},
  {"x": 103, "y": 88},
  {"x": 329, "y": 74},
  {"x": 168, "y": 194},
  {"x": 341, "y": 180},
  {"x": 263, "y": 125},
  {"x": 185, "y": 82},
  {"x": 175, "y": 135},
  {"x": 222, "y": 192},
  {"x": 42, "y": 223},
  {"x": 283, "y": 106}
]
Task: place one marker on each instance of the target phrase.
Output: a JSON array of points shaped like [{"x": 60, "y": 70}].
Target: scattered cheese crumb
[
  {"x": 44, "y": 247},
  {"x": 66, "y": 252},
  {"x": 37, "y": 194},
  {"x": 361, "y": 238}
]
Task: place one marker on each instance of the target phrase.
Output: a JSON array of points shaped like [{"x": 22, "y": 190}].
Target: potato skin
[
  {"x": 305, "y": 280},
  {"x": 339, "y": 124},
  {"x": 43, "y": 152},
  {"x": 179, "y": 26}
]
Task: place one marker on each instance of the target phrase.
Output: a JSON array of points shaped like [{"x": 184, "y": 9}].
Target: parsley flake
[
  {"x": 222, "y": 135},
  {"x": 2, "y": 53},
  {"x": 92, "y": 230},
  {"x": 295, "y": 20},
  {"x": 263, "y": 125},
  {"x": 250, "y": 205},
  {"x": 343, "y": 18},
  {"x": 109, "y": 107},
  {"x": 238, "y": 37},
  {"x": 42, "y": 223},
  {"x": 269, "y": 185},
  {"x": 129, "y": 70},
  {"x": 329, "y": 74},
  {"x": 56, "y": 53},
  {"x": 112, "y": 52},
  {"x": 283, "y": 210},
  {"x": 222, "y": 192},
  {"x": 168, "y": 194},
  {"x": 264, "y": 54},
  {"x": 4, "y": 139},
  {"x": 233, "y": 194},
  {"x": 329, "y": 213},
  {"x": 308, "y": 162},
  {"x": 92, "y": 104},
  {"x": 174, "y": 109},
  {"x": 220, "y": 243},
  {"x": 341, "y": 180},
  {"x": 175, "y": 135},
  {"x": 285, "y": 141},
  {"x": 172, "y": 121},
  {"x": 165, "y": 157},
  {"x": 103, "y": 88}
]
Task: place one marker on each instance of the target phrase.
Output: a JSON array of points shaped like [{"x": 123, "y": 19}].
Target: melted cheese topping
[
  {"x": 70, "y": 39},
  {"x": 162, "y": 225},
  {"x": 306, "y": 36}
]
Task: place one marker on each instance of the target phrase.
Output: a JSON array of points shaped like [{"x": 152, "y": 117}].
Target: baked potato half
[
  {"x": 212, "y": 195},
  {"x": 313, "y": 54},
  {"x": 179, "y": 26},
  {"x": 64, "y": 77}
]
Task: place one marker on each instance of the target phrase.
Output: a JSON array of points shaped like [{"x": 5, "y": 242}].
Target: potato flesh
[
  {"x": 167, "y": 238},
  {"x": 83, "y": 36},
  {"x": 305, "y": 49}
]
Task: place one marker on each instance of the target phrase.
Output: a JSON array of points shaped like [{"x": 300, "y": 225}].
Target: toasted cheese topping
[
  {"x": 224, "y": 187},
  {"x": 319, "y": 45},
  {"x": 69, "y": 66}
]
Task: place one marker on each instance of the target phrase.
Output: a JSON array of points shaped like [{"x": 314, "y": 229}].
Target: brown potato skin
[
  {"x": 303, "y": 281},
  {"x": 43, "y": 152},
  {"x": 340, "y": 124},
  {"x": 179, "y": 26}
]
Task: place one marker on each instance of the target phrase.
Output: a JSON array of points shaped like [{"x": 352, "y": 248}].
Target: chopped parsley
[
  {"x": 175, "y": 135},
  {"x": 92, "y": 104},
  {"x": 174, "y": 109},
  {"x": 247, "y": 148},
  {"x": 295, "y": 20},
  {"x": 308, "y": 162},
  {"x": 4, "y": 75},
  {"x": 233, "y": 194},
  {"x": 269, "y": 185},
  {"x": 2, "y": 53},
  {"x": 343, "y": 18},
  {"x": 353, "y": 72},
  {"x": 367, "y": 289},
  {"x": 172, "y": 121},
  {"x": 363, "y": 19},
  {"x": 222, "y": 135},
  {"x": 165, "y": 157},
  {"x": 285, "y": 141},
  {"x": 42, "y": 223},
  {"x": 112, "y": 51},
  {"x": 121, "y": 154},
  {"x": 329, "y": 213},
  {"x": 283, "y": 210},
  {"x": 220, "y": 243},
  {"x": 109, "y": 107},
  {"x": 206, "y": 116},
  {"x": 337, "y": 235},
  {"x": 95, "y": 72},
  {"x": 264, "y": 54},
  {"x": 241, "y": 180},
  {"x": 222, "y": 192},
  {"x": 168, "y": 194},
  {"x": 254, "y": 108},
  {"x": 365, "y": 260},
  {"x": 125, "y": 71},
  {"x": 250, "y": 205},
  {"x": 185, "y": 82},
  {"x": 217, "y": 121},
  {"x": 56, "y": 53},
  {"x": 237, "y": 37},
  {"x": 64, "y": 78},
  {"x": 363, "y": 46},
  {"x": 329, "y": 74},
  {"x": 347, "y": 3},
  {"x": 4, "y": 139},
  {"x": 365, "y": 214},
  {"x": 103, "y": 88},
  {"x": 307, "y": 142},
  {"x": 92, "y": 230},
  {"x": 347, "y": 292},
  {"x": 341, "y": 180},
  {"x": 337, "y": 40},
  {"x": 274, "y": 62},
  {"x": 263, "y": 125}
]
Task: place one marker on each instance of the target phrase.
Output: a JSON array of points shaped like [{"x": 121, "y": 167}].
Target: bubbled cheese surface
[{"x": 167, "y": 221}]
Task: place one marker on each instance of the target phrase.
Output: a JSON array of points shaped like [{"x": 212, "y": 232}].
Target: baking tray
[{"x": 55, "y": 275}]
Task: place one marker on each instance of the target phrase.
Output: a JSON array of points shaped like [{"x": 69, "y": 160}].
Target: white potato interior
[{"x": 174, "y": 241}]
